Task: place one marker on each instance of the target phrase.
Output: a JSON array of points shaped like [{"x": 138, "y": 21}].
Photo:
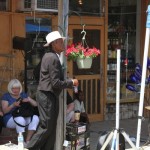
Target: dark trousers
[{"x": 44, "y": 138}]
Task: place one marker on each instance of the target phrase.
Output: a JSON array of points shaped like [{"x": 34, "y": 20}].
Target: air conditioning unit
[{"x": 38, "y": 5}]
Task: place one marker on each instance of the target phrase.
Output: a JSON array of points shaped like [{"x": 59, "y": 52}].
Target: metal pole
[
  {"x": 115, "y": 142},
  {"x": 143, "y": 78},
  {"x": 115, "y": 133},
  {"x": 118, "y": 97},
  {"x": 126, "y": 59},
  {"x": 118, "y": 90},
  {"x": 64, "y": 62}
]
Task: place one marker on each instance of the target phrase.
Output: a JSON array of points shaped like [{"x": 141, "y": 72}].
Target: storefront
[{"x": 108, "y": 24}]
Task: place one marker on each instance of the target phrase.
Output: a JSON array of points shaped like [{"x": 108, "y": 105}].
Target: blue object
[
  {"x": 138, "y": 67},
  {"x": 148, "y": 17},
  {"x": 134, "y": 78},
  {"x": 35, "y": 28},
  {"x": 131, "y": 88},
  {"x": 138, "y": 71},
  {"x": 148, "y": 63},
  {"x": 148, "y": 80},
  {"x": 137, "y": 76}
]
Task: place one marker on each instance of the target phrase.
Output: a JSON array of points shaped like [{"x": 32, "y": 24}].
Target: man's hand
[
  {"x": 26, "y": 100},
  {"x": 75, "y": 82},
  {"x": 16, "y": 104}
]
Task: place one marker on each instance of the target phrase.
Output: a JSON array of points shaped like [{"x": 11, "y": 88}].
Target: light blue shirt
[{"x": 79, "y": 106}]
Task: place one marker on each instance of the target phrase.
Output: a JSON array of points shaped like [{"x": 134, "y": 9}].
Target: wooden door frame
[{"x": 96, "y": 117}]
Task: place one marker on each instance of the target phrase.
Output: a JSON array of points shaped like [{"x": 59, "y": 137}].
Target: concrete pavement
[{"x": 128, "y": 125}]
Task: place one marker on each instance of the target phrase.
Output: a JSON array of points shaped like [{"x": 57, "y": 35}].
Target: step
[
  {"x": 8, "y": 131},
  {"x": 7, "y": 135},
  {"x": 6, "y": 139}
]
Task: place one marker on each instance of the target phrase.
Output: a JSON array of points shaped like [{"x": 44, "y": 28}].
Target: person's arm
[
  {"x": 70, "y": 107},
  {"x": 56, "y": 74},
  {"x": 7, "y": 108},
  {"x": 82, "y": 107},
  {"x": 1, "y": 113},
  {"x": 30, "y": 100},
  {"x": 77, "y": 105}
]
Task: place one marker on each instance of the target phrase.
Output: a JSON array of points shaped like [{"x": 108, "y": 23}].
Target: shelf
[{"x": 121, "y": 26}]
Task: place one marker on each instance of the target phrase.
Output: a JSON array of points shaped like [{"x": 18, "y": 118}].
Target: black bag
[{"x": 25, "y": 110}]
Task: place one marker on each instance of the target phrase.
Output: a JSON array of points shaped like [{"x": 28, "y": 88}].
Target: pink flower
[{"x": 78, "y": 50}]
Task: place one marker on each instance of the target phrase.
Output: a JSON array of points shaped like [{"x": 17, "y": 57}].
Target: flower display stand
[{"x": 84, "y": 63}]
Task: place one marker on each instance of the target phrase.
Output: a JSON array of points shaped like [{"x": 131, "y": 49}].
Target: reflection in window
[
  {"x": 36, "y": 30},
  {"x": 86, "y": 7}
]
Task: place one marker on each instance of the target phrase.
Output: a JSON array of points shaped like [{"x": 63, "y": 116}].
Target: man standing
[{"x": 51, "y": 84}]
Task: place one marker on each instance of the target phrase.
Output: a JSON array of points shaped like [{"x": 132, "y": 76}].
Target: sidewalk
[{"x": 128, "y": 125}]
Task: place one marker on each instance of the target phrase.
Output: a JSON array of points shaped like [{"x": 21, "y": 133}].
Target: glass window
[
  {"x": 86, "y": 7},
  {"x": 121, "y": 34}
]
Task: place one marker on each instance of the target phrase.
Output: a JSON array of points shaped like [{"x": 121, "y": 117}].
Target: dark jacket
[{"x": 51, "y": 75}]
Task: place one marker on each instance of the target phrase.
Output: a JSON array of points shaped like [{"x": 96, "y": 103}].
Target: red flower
[{"x": 78, "y": 50}]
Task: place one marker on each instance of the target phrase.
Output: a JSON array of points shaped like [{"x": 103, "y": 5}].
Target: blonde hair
[{"x": 14, "y": 83}]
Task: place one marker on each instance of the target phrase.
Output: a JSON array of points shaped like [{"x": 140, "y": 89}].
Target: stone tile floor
[{"x": 128, "y": 125}]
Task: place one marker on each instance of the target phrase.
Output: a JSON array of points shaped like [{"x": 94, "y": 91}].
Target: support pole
[
  {"x": 63, "y": 7},
  {"x": 116, "y": 132},
  {"x": 108, "y": 140},
  {"x": 118, "y": 90},
  {"x": 143, "y": 78}
]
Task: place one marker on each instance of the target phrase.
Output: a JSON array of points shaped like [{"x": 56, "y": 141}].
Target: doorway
[{"x": 90, "y": 80}]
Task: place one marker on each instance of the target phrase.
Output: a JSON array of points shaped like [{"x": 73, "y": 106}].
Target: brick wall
[{"x": 128, "y": 110}]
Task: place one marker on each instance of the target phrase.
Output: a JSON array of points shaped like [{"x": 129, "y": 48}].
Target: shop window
[
  {"x": 36, "y": 30},
  {"x": 4, "y": 5},
  {"x": 87, "y": 7},
  {"x": 122, "y": 17}
]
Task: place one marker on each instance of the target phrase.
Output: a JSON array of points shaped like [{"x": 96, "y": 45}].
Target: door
[{"x": 90, "y": 80}]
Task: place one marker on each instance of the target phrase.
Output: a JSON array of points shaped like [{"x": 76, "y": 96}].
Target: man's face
[
  {"x": 81, "y": 96},
  {"x": 58, "y": 46}
]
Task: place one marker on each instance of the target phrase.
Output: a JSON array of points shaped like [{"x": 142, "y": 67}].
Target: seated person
[
  {"x": 9, "y": 103},
  {"x": 79, "y": 106},
  {"x": 70, "y": 109}
]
